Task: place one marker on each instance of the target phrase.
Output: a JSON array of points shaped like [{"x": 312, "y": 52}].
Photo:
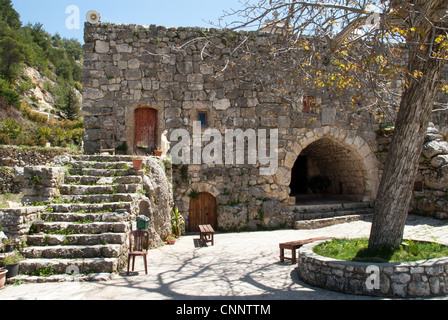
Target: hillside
[{"x": 40, "y": 74}]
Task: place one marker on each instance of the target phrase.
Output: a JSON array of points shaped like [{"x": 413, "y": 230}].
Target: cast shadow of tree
[{"x": 272, "y": 281}]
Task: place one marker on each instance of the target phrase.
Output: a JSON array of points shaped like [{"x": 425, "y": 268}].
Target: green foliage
[
  {"x": 9, "y": 15},
  {"x": 177, "y": 222},
  {"x": 44, "y": 271},
  {"x": 12, "y": 258},
  {"x": 193, "y": 195},
  {"x": 54, "y": 57},
  {"x": 14, "y": 51},
  {"x": 9, "y": 130},
  {"x": 357, "y": 250},
  {"x": 8, "y": 97},
  {"x": 67, "y": 101}
]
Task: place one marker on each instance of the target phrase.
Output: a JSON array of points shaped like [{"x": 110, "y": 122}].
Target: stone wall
[
  {"x": 13, "y": 159},
  {"x": 13, "y": 156},
  {"x": 430, "y": 191},
  {"x": 16, "y": 222},
  {"x": 432, "y": 198},
  {"x": 42, "y": 184},
  {"x": 235, "y": 79},
  {"x": 407, "y": 279}
]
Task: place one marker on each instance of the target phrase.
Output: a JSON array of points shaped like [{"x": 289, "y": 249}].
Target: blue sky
[{"x": 176, "y": 13}]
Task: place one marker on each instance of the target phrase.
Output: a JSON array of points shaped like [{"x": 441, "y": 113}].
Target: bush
[
  {"x": 8, "y": 97},
  {"x": 10, "y": 128},
  {"x": 4, "y": 139}
]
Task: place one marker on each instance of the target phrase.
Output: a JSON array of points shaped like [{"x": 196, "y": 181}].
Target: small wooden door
[
  {"x": 145, "y": 131},
  {"x": 203, "y": 210}
]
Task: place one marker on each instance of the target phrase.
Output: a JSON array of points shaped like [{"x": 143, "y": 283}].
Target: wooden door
[
  {"x": 145, "y": 131},
  {"x": 203, "y": 210}
]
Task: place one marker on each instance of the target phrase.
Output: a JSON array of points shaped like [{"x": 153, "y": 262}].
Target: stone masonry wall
[
  {"x": 407, "y": 279},
  {"x": 235, "y": 79}
]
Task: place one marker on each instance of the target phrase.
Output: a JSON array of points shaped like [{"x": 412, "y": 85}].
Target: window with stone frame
[
  {"x": 203, "y": 118},
  {"x": 309, "y": 103}
]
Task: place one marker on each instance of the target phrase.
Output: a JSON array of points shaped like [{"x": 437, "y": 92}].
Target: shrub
[{"x": 10, "y": 128}]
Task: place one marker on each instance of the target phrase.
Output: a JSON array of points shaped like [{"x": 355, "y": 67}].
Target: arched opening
[
  {"x": 145, "y": 131},
  {"x": 203, "y": 210},
  {"x": 328, "y": 168}
]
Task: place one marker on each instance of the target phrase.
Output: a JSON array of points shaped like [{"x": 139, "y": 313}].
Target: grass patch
[
  {"x": 357, "y": 250},
  {"x": 13, "y": 197}
]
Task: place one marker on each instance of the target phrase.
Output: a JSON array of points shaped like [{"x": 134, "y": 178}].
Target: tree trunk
[{"x": 396, "y": 187}]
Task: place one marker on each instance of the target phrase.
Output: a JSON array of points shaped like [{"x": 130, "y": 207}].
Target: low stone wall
[
  {"x": 407, "y": 279},
  {"x": 41, "y": 184},
  {"x": 13, "y": 159},
  {"x": 16, "y": 222},
  {"x": 13, "y": 156}
]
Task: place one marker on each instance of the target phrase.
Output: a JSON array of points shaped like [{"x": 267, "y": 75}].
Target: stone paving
[{"x": 239, "y": 266}]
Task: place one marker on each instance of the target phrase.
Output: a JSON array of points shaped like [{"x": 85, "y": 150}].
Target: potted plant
[
  {"x": 3, "y": 273},
  {"x": 137, "y": 163},
  {"x": 9, "y": 245},
  {"x": 11, "y": 263},
  {"x": 170, "y": 239},
  {"x": 158, "y": 153},
  {"x": 177, "y": 222}
]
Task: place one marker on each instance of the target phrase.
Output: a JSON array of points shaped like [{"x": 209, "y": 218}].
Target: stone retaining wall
[
  {"x": 13, "y": 156},
  {"x": 16, "y": 222},
  {"x": 407, "y": 279},
  {"x": 13, "y": 159}
]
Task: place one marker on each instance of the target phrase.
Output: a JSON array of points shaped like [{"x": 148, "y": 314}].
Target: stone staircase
[
  {"x": 86, "y": 228},
  {"x": 318, "y": 215}
]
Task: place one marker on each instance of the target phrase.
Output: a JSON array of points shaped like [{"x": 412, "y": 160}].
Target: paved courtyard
[{"x": 239, "y": 266}]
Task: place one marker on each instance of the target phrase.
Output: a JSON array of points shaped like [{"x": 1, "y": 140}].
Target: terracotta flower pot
[
  {"x": 158, "y": 153},
  {"x": 137, "y": 164}
]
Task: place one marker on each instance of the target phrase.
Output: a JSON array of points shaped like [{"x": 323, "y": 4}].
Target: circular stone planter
[{"x": 423, "y": 278}]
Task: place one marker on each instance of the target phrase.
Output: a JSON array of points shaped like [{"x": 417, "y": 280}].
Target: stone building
[{"x": 139, "y": 82}]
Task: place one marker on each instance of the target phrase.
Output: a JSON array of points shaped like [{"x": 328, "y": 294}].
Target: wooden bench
[
  {"x": 293, "y": 246},
  {"x": 207, "y": 234}
]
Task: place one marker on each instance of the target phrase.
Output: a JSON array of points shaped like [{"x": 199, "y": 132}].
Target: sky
[{"x": 54, "y": 14}]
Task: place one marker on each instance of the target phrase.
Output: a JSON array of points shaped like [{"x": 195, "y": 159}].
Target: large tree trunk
[{"x": 396, "y": 187}]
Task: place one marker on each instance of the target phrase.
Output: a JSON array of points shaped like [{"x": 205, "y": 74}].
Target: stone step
[
  {"x": 325, "y": 222},
  {"x": 330, "y": 214},
  {"x": 102, "y": 165},
  {"x": 104, "y": 158},
  {"x": 105, "y": 172},
  {"x": 75, "y": 239},
  {"x": 330, "y": 206},
  {"x": 73, "y": 252},
  {"x": 95, "y": 180},
  {"x": 84, "y": 217},
  {"x": 66, "y": 228},
  {"x": 62, "y": 266},
  {"x": 90, "y": 207},
  {"x": 101, "y": 189},
  {"x": 100, "y": 198}
]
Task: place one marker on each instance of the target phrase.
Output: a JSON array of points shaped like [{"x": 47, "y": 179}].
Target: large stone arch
[{"x": 331, "y": 142}]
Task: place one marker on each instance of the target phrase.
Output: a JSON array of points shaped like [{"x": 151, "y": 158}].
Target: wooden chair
[{"x": 136, "y": 247}]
